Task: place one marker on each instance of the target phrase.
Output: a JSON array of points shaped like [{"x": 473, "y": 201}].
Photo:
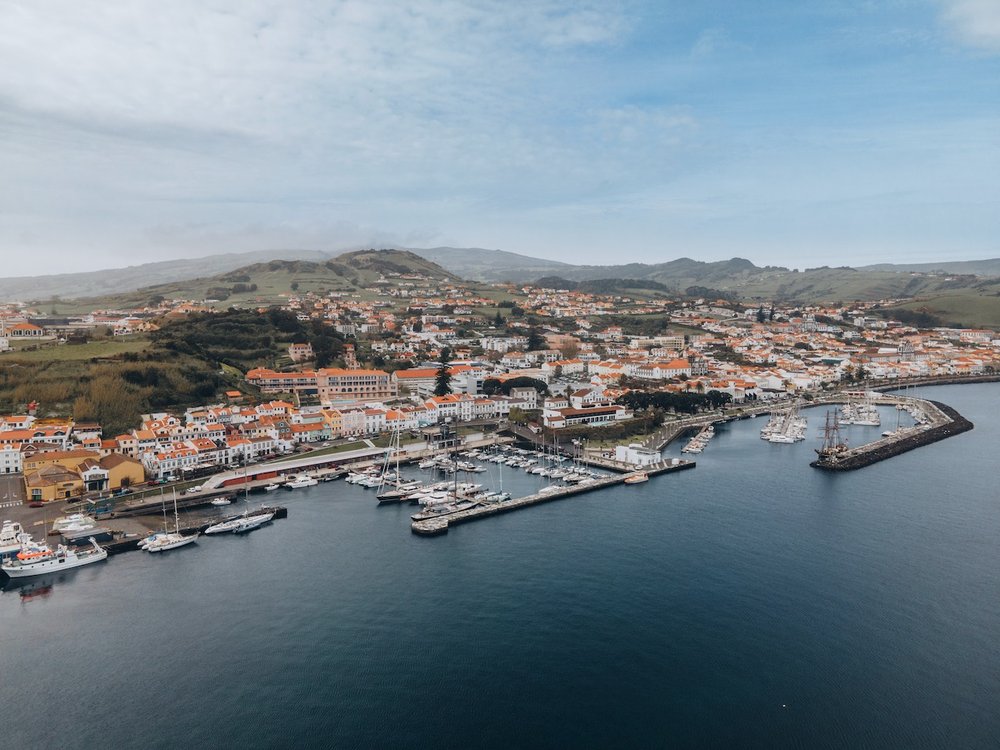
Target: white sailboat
[{"x": 168, "y": 540}]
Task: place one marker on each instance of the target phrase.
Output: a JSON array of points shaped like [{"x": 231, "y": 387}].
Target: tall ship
[
  {"x": 41, "y": 560},
  {"x": 834, "y": 448}
]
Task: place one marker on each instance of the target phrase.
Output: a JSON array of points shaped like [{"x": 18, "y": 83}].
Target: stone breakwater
[{"x": 953, "y": 424}]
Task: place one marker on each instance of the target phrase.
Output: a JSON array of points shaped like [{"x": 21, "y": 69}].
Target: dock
[{"x": 439, "y": 524}]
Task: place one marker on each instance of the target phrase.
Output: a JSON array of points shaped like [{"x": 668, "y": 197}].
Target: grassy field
[
  {"x": 53, "y": 352},
  {"x": 968, "y": 309}
]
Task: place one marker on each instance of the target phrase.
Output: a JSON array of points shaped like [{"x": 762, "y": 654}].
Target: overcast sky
[{"x": 790, "y": 132}]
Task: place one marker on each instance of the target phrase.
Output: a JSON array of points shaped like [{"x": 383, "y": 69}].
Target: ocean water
[{"x": 750, "y": 602}]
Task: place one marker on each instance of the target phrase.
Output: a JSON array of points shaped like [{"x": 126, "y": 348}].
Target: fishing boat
[{"x": 39, "y": 561}]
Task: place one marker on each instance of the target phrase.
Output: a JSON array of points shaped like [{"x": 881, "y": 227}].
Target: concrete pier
[{"x": 437, "y": 525}]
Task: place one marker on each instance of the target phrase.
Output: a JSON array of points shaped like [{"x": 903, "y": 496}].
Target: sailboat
[
  {"x": 246, "y": 522},
  {"x": 168, "y": 540}
]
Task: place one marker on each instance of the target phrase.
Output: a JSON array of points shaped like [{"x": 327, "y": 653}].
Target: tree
[
  {"x": 535, "y": 340},
  {"x": 295, "y": 286},
  {"x": 761, "y": 315},
  {"x": 498, "y": 320},
  {"x": 442, "y": 381}
]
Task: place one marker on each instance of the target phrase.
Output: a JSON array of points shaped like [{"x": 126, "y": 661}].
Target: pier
[{"x": 430, "y": 524}]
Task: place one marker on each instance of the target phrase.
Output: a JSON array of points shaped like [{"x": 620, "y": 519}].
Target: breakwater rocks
[{"x": 883, "y": 449}]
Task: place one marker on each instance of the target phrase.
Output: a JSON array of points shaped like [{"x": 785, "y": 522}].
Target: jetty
[{"x": 425, "y": 525}]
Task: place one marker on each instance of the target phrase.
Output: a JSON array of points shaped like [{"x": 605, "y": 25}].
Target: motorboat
[
  {"x": 73, "y": 522},
  {"x": 637, "y": 478},
  {"x": 302, "y": 480},
  {"x": 271, "y": 487},
  {"x": 39, "y": 561},
  {"x": 220, "y": 501}
]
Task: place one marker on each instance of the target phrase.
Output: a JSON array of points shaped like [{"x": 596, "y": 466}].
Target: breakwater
[{"x": 866, "y": 455}]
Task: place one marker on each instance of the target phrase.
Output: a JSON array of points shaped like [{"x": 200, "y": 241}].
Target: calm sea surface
[{"x": 751, "y": 602}]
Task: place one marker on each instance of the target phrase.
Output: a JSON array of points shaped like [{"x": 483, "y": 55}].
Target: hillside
[
  {"x": 185, "y": 363},
  {"x": 118, "y": 280},
  {"x": 266, "y": 283},
  {"x": 989, "y": 267},
  {"x": 478, "y": 264}
]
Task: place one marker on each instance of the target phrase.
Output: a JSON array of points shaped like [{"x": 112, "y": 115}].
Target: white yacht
[
  {"x": 73, "y": 522},
  {"x": 169, "y": 540},
  {"x": 302, "y": 480},
  {"x": 38, "y": 561},
  {"x": 242, "y": 523},
  {"x": 253, "y": 521},
  {"x": 161, "y": 542},
  {"x": 12, "y": 536}
]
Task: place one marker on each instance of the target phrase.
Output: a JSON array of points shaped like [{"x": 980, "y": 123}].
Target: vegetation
[
  {"x": 492, "y": 386},
  {"x": 247, "y": 339},
  {"x": 685, "y": 402},
  {"x": 442, "y": 381}
]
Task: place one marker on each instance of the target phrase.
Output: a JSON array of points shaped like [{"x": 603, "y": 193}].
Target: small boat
[
  {"x": 637, "y": 478},
  {"x": 303, "y": 480},
  {"x": 220, "y": 501},
  {"x": 271, "y": 487},
  {"x": 38, "y": 561}
]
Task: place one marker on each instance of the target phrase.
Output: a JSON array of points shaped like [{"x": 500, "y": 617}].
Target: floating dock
[{"x": 439, "y": 524}]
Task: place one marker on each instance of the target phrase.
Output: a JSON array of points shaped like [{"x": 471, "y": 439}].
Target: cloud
[{"x": 977, "y": 22}]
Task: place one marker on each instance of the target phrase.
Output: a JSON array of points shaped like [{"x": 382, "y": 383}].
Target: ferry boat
[
  {"x": 636, "y": 478},
  {"x": 39, "y": 561}
]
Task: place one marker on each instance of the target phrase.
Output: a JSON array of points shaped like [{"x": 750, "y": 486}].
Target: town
[{"x": 414, "y": 352}]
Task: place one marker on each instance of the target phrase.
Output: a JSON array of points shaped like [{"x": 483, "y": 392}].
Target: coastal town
[{"x": 550, "y": 364}]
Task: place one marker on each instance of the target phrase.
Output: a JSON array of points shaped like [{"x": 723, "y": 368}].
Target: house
[{"x": 300, "y": 352}]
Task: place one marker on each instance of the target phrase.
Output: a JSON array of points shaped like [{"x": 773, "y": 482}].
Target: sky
[{"x": 840, "y": 132}]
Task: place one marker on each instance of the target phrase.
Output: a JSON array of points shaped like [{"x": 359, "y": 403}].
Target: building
[
  {"x": 335, "y": 384},
  {"x": 300, "y": 352}
]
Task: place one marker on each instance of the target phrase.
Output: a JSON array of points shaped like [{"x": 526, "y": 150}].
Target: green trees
[
  {"x": 535, "y": 340},
  {"x": 442, "y": 381}
]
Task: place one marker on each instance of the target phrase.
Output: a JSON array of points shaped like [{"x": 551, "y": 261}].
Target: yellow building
[{"x": 63, "y": 474}]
